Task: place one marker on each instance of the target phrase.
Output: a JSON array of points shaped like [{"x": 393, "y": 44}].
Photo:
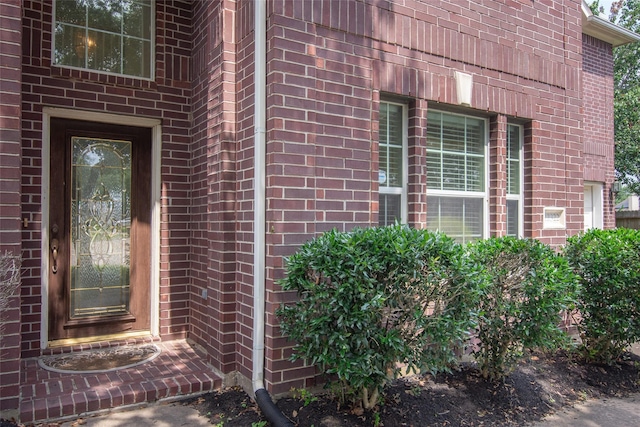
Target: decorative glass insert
[
  {"x": 100, "y": 227},
  {"x": 113, "y": 36},
  {"x": 391, "y": 166},
  {"x": 456, "y": 181},
  {"x": 514, "y": 180}
]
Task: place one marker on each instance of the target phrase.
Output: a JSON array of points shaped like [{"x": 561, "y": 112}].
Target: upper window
[
  {"x": 112, "y": 36},
  {"x": 392, "y": 166},
  {"x": 514, "y": 180},
  {"x": 456, "y": 181}
]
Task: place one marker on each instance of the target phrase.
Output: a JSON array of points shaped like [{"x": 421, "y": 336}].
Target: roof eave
[{"x": 605, "y": 30}]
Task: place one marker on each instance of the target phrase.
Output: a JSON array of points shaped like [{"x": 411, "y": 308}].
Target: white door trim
[
  {"x": 156, "y": 146},
  {"x": 597, "y": 203}
]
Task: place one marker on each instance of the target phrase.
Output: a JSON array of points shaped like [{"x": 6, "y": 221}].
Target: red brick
[{"x": 328, "y": 64}]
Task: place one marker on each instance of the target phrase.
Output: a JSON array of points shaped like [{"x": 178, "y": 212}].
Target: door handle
[{"x": 55, "y": 246}]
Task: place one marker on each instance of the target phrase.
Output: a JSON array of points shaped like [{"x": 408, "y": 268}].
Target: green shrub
[
  {"x": 375, "y": 297},
  {"x": 608, "y": 263},
  {"x": 526, "y": 287}
]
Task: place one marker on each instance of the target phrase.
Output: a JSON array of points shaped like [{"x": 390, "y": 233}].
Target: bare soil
[{"x": 541, "y": 384}]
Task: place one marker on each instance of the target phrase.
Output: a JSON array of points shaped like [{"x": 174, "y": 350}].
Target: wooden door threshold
[{"x": 124, "y": 336}]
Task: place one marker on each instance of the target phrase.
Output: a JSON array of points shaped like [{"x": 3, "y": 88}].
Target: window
[
  {"x": 392, "y": 167},
  {"x": 456, "y": 181},
  {"x": 112, "y": 36},
  {"x": 514, "y": 181}
]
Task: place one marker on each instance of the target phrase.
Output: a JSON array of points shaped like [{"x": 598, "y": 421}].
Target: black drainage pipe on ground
[{"x": 270, "y": 410}]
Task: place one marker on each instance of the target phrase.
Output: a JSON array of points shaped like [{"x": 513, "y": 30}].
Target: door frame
[
  {"x": 597, "y": 203},
  {"x": 156, "y": 142}
]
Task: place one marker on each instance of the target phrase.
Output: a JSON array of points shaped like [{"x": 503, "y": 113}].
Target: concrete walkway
[
  {"x": 609, "y": 412},
  {"x": 159, "y": 415}
]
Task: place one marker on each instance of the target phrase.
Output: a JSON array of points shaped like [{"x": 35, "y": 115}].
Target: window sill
[{"x": 105, "y": 78}]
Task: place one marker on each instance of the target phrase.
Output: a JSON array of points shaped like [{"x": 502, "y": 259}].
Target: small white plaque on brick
[{"x": 554, "y": 218}]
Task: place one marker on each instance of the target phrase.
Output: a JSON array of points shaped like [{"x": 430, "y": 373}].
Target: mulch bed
[{"x": 542, "y": 384}]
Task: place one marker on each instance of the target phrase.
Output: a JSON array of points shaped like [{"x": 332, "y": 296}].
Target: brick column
[
  {"x": 498, "y": 176},
  {"x": 417, "y": 185},
  {"x": 10, "y": 190}
]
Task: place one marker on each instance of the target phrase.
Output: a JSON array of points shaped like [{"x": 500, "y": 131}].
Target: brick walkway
[{"x": 177, "y": 371}]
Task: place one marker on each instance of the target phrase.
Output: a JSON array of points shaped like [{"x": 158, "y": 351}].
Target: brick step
[{"x": 177, "y": 372}]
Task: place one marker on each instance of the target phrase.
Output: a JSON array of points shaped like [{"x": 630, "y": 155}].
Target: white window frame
[
  {"x": 482, "y": 195},
  {"x": 402, "y": 191},
  {"x": 517, "y": 197},
  {"x": 597, "y": 201},
  {"x": 152, "y": 53}
]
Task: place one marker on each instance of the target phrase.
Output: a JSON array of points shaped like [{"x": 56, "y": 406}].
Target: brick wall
[
  {"x": 10, "y": 192},
  {"x": 597, "y": 93},
  {"x": 215, "y": 295},
  {"x": 166, "y": 98},
  {"x": 331, "y": 62}
]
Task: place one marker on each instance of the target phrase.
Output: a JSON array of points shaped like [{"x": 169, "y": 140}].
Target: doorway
[
  {"x": 593, "y": 206},
  {"x": 99, "y": 229}
]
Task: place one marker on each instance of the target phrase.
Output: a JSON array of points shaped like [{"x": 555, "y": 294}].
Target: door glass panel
[{"x": 100, "y": 227}]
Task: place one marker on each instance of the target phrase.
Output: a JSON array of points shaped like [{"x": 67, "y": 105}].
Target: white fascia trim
[{"x": 605, "y": 30}]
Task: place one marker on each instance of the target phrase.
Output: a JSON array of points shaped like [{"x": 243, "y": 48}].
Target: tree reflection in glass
[{"x": 113, "y": 36}]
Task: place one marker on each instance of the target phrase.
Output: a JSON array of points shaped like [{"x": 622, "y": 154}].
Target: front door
[{"x": 99, "y": 229}]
